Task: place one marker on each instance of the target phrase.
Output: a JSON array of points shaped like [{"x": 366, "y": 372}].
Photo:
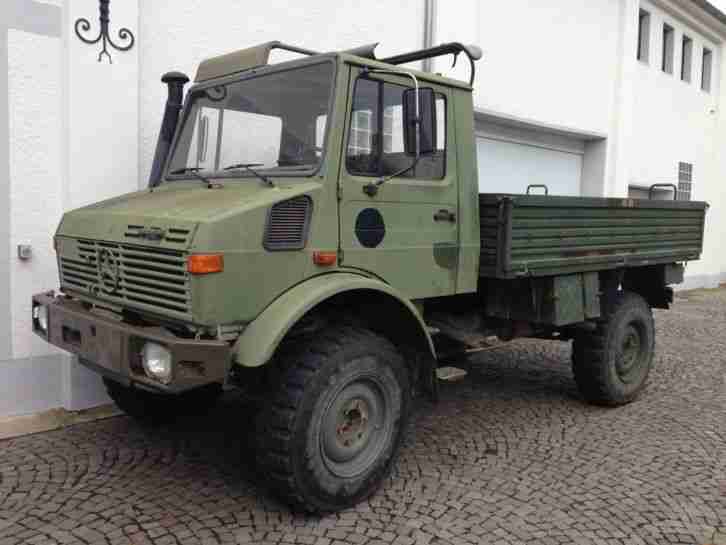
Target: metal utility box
[{"x": 553, "y": 300}]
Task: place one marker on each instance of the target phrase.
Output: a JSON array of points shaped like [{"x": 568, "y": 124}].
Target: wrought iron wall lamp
[{"x": 83, "y": 25}]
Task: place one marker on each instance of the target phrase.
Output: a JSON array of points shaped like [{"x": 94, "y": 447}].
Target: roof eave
[{"x": 712, "y": 10}]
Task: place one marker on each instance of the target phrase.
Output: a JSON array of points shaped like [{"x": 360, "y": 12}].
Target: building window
[
  {"x": 361, "y": 133},
  {"x": 685, "y": 181},
  {"x": 643, "y": 35},
  {"x": 706, "y": 68},
  {"x": 668, "y": 37},
  {"x": 686, "y": 59}
]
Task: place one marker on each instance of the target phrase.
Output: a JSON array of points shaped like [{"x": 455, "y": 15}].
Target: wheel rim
[
  {"x": 632, "y": 353},
  {"x": 356, "y": 427}
]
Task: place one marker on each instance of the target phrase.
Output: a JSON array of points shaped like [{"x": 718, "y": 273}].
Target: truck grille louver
[
  {"x": 173, "y": 235},
  {"x": 288, "y": 223},
  {"x": 152, "y": 279}
]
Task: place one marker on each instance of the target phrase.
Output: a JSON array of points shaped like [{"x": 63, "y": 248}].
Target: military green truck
[{"x": 313, "y": 235}]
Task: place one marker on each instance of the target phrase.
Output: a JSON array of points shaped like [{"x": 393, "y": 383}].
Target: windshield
[{"x": 274, "y": 121}]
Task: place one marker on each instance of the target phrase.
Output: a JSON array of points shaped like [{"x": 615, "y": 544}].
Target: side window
[
  {"x": 361, "y": 155},
  {"x": 376, "y": 142}
]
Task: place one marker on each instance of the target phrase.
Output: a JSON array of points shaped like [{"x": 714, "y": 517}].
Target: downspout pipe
[
  {"x": 429, "y": 28},
  {"x": 175, "y": 82}
]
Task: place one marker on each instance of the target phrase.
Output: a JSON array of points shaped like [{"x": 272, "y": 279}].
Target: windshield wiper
[
  {"x": 194, "y": 171},
  {"x": 248, "y": 166}
]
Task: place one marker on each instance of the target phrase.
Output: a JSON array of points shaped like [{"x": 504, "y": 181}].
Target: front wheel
[
  {"x": 611, "y": 364},
  {"x": 336, "y": 422}
]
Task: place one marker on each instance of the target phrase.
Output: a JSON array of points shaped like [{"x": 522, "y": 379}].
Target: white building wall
[
  {"x": 542, "y": 67},
  {"x": 672, "y": 120},
  {"x": 33, "y": 376},
  {"x": 675, "y": 121},
  {"x": 36, "y": 183},
  {"x": 715, "y": 191},
  {"x": 549, "y": 62},
  {"x": 102, "y": 107}
]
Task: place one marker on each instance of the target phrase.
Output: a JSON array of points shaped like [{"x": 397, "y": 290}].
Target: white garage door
[{"x": 507, "y": 166}]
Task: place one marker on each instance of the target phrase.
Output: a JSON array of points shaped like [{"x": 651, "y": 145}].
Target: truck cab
[{"x": 313, "y": 234}]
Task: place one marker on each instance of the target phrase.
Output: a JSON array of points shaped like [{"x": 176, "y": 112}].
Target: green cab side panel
[{"x": 260, "y": 339}]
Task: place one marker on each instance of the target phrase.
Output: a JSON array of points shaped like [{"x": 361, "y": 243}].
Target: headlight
[
  {"x": 40, "y": 315},
  {"x": 157, "y": 362}
]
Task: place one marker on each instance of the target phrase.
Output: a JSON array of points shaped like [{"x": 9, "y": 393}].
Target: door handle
[{"x": 445, "y": 215}]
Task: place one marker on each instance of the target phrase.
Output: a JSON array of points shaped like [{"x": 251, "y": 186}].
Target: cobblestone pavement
[{"x": 510, "y": 455}]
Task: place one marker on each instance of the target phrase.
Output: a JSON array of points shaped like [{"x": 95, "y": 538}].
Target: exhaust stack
[{"x": 175, "y": 82}]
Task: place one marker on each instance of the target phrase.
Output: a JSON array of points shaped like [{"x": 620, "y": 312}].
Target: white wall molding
[
  {"x": 692, "y": 15},
  {"x": 484, "y": 115}
]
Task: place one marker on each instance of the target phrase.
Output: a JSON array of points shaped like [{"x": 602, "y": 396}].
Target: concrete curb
[{"x": 54, "y": 419}]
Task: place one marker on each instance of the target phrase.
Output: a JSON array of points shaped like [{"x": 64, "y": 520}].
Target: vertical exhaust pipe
[
  {"x": 429, "y": 32},
  {"x": 175, "y": 81}
]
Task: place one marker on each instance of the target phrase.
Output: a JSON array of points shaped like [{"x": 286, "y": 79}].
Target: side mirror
[
  {"x": 202, "y": 137},
  {"x": 423, "y": 127}
]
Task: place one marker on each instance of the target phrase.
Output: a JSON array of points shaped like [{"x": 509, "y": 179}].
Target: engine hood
[{"x": 169, "y": 215}]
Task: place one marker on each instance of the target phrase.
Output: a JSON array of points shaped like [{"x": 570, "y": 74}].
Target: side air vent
[{"x": 288, "y": 223}]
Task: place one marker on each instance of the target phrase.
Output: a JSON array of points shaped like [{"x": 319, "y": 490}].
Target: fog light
[
  {"x": 157, "y": 362},
  {"x": 40, "y": 315}
]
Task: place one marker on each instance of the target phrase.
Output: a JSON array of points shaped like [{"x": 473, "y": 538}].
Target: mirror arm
[{"x": 371, "y": 189}]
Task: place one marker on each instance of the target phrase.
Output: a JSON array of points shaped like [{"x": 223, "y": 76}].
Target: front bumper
[{"x": 113, "y": 348}]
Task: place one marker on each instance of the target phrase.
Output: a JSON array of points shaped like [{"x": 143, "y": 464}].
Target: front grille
[{"x": 152, "y": 279}]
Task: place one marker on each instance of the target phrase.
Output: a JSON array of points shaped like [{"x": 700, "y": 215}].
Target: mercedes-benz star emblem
[{"x": 108, "y": 270}]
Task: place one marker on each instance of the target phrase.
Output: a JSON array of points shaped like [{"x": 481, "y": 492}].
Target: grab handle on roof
[
  {"x": 472, "y": 52},
  {"x": 538, "y": 186}
]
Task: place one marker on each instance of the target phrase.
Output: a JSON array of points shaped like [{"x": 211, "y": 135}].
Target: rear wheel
[
  {"x": 152, "y": 408},
  {"x": 611, "y": 364},
  {"x": 336, "y": 422}
]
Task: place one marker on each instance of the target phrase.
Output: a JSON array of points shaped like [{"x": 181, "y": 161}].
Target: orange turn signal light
[
  {"x": 325, "y": 259},
  {"x": 205, "y": 263}
]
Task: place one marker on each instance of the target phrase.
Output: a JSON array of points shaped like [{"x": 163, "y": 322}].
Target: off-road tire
[
  {"x": 304, "y": 433},
  {"x": 150, "y": 408},
  {"x": 611, "y": 364}
]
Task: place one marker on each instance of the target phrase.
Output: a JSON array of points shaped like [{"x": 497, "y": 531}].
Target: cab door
[{"x": 407, "y": 233}]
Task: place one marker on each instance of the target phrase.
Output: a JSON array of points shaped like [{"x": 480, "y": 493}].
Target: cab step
[{"x": 450, "y": 374}]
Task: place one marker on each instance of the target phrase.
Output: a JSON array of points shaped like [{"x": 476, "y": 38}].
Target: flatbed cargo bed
[{"x": 535, "y": 235}]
